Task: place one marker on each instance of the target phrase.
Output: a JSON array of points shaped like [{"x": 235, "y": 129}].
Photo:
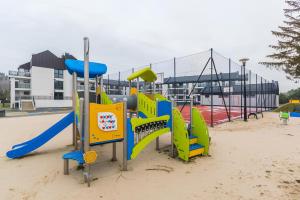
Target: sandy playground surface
[{"x": 255, "y": 160}]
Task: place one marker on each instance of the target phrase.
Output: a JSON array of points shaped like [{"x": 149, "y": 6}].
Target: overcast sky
[{"x": 135, "y": 32}]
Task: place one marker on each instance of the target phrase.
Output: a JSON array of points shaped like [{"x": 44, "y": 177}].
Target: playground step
[
  {"x": 75, "y": 155},
  {"x": 196, "y": 149},
  {"x": 193, "y": 139}
]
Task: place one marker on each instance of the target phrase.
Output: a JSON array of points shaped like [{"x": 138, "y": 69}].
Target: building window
[
  {"x": 58, "y": 85},
  {"x": 26, "y": 92},
  {"x": 58, "y": 73},
  {"x": 58, "y": 95}
]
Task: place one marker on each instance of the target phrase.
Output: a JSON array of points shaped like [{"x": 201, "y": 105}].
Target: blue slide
[{"x": 24, "y": 148}]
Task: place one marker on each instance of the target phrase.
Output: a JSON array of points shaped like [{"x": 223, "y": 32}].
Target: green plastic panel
[
  {"x": 146, "y": 140},
  {"x": 181, "y": 136},
  {"x": 146, "y": 105},
  {"x": 284, "y": 115},
  {"x": 105, "y": 98},
  {"x": 160, "y": 97},
  {"x": 146, "y": 74},
  {"x": 200, "y": 130}
]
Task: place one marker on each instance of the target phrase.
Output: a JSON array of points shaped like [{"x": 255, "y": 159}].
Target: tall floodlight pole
[{"x": 243, "y": 61}]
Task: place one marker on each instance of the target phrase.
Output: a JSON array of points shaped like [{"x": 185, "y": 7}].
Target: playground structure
[
  {"x": 292, "y": 109},
  {"x": 284, "y": 116},
  {"x": 135, "y": 120}
]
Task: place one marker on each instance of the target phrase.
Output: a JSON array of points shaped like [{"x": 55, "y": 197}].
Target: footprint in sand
[{"x": 161, "y": 168}]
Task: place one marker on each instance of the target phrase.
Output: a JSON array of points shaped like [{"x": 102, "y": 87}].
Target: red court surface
[{"x": 219, "y": 113}]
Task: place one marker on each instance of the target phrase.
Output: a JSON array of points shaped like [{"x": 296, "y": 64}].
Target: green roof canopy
[{"x": 146, "y": 74}]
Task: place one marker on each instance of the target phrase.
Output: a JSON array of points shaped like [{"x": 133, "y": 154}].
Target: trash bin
[{"x": 2, "y": 113}]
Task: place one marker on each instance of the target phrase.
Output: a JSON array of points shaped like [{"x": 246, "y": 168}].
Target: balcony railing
[
  {"x": 25, "y": 97},
  {"x": 22, "y": 85},
  {"x": 81, "y": 87},
  {"x": 19, "y": 73}
]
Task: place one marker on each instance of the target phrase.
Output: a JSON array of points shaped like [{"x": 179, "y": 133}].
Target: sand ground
[{"x": 255, "y": 160}]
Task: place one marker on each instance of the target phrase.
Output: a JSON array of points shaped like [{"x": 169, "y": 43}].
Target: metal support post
[
  {"x": 172, "y": 131},
  {"x": 96, "y": 86},
  {"x": 101, "y": 88},
  {"x": 66, "y": 166},
  {"x": 86, "y": 106},
  {"x": 74, "y": 92},
  {"x": 125, "y": 136},
  {"x": 114, "y": 157},
  {"x": 157, "y": 139},
  {"x": 191, "y": 110}
]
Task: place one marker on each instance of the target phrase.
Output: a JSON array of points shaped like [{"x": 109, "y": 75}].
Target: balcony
[
  {"x": 19, "y": 73},
  {"x": 22, "y": 85},
  {"x": 81, "y": 87}
]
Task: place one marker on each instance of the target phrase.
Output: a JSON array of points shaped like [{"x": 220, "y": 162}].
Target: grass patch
[{"x": 6, "y": 105}]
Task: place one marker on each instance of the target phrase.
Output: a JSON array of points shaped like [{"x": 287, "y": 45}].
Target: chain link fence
[{"x": 221, "y": 88}]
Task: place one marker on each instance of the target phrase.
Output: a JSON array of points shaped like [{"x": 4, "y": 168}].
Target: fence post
[
  {"x": 245, "y": 94},
  {"x": 268, "y": 93},
  {"x": 250, "y": 90},
  {"x": 174, "y": 82},
  {"x": 256, "y": 93},
  {"x": 265, "y": 94},
  {"x": 150, "y": 87},
  {"x": 261, "y": 94},
  {"x": 119, "y": 84},
  {"x": 211, "y": 90},
  {"x": 229, "y": 92},
  {"x": 241, "y": 92},
  {"x": 273, "y": 99}
]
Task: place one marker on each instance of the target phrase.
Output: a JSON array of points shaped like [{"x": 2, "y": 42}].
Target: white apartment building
[{"x": 43, "y": 82}]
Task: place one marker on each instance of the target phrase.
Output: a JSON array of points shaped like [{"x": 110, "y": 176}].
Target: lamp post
[{"x": 243, "y": 61}]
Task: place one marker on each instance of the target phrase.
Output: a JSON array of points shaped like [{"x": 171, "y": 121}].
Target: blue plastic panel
[
  {"x": 295, "y": 114},
  {"x": 75, "y": 155},
  {"x": 95, "y": 69},
  {"x": 165, "y": 108},
  {"x": 130, "y": 139}
]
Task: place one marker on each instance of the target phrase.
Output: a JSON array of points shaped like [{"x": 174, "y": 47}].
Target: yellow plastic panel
[
  {"x": 105, "y": 131},
  {"x": 294, "y": 101},
  {"x": 196, "y": 152},
  {"x": 90, "y": 157},
  {"x": 133, "y": 91},
  {"x": 194, "y": 141}
]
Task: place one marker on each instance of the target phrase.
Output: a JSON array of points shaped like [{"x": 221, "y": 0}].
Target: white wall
[
  {"x": 42, "y": 84},
  {"x": 67, "y": 84},
  {"x": 42, "y": 103},
  {"x": 235, "y": 100},
  {"x": 12, "y": 92},
  {"x": 42, "y": 81}
]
